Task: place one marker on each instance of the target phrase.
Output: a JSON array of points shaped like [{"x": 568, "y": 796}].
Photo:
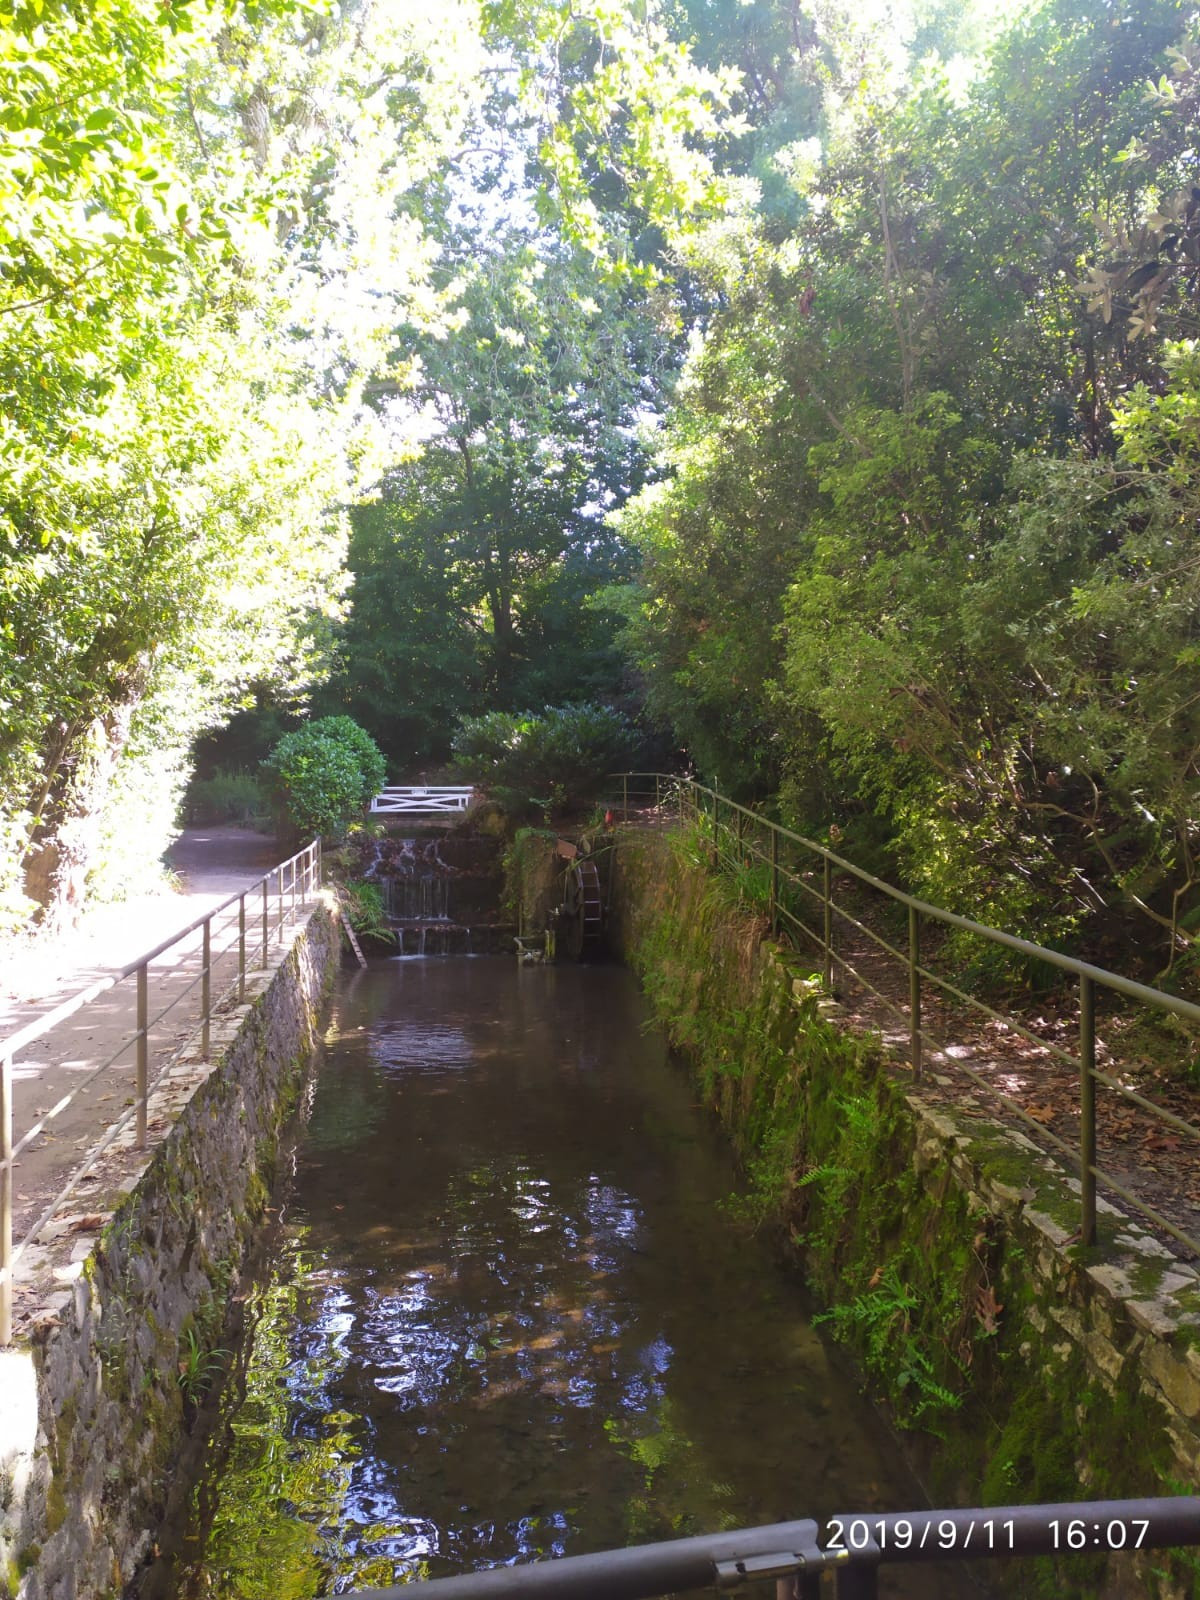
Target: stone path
[{"x": 212, "y": 864}]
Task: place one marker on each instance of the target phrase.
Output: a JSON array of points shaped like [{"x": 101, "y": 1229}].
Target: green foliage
[
  {"x": 474, "y": 570},
  {"x": 364, "y": 905},
  {"x": 182, "y": 354},
  {"x": 225, "y": 797},
  {"x": 921, "y": 550},
  {"x": 323, "y": 776},
  {"x": 911, "y": 546},
  {"x": 549, "y": 758},
  {"x": 532, "y": 882},
  {"x": 878, "y": 1323},
  {"x": 199, "y": 1365},
  {"x": 625, "y": 126}
]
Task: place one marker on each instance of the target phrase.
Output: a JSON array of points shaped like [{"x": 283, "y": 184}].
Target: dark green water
[{"x": 507, "y": 1313}]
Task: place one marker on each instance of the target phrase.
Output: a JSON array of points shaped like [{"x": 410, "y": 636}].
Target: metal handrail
[
  {"x": 853, "y": 1546},
  {"x": 728, "y": 823},
  {"x": 304, "y": 867}
]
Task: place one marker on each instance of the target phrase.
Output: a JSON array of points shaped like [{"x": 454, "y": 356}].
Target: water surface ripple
[{"x": 508, "y": 1313}]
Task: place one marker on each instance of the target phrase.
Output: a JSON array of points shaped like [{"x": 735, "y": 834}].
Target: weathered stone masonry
[
  {"x": 132, "y": 1295},
  {"x": 1076, "y": 1374}
]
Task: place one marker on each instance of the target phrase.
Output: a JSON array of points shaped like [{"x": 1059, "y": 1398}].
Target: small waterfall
[
  {"x": 418, "y": 895},
  {"x": 433, "y": 939},
  {"x": 418, "y": 883},
  {"x": 441, "y": 894},
  {"x": 418, "y": 899}
]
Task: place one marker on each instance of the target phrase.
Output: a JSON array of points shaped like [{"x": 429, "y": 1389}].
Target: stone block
[
  {"x": 1174, "y": 1377},
  {"x": 135, "y": 1295}
]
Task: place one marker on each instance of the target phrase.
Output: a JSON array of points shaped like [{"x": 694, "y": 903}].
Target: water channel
[{"x": 509, "y": 1312}]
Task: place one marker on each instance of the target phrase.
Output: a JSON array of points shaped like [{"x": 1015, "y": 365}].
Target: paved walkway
[{"x": 212, "y": 864}]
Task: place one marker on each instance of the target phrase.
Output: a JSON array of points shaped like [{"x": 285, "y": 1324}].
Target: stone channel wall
[
  {"x": 127, "y": 1300},
  {"x": 1018, "y": 1367}
]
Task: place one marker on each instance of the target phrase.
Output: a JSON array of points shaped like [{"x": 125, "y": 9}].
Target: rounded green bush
[{"x": 323, "y": 776}]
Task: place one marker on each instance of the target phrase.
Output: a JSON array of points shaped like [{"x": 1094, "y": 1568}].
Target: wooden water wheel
[{"x": 581, "y": 918}]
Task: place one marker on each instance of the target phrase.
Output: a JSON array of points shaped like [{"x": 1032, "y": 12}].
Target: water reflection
[{"x": 507, "y": 1317}]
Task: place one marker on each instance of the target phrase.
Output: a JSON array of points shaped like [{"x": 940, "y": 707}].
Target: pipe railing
[
  {"x": 270, "y": 902},
  {"x": 795, "y": 1555},
  {"x": 740, "y": 836}
]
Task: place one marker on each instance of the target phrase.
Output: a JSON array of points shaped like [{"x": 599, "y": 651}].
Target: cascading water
[
  {"x": 418, "y": 889},
  {"x": 374, "y": 861},
  {"x": 418, "y": 899},
  {"x": 440, "y": 894}
]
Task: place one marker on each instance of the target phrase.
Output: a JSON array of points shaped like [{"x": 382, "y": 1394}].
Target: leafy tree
[
  {"x": 323, "y": 776},
  {"x": 548, "y": 758},
  {"x": 183, "y": 338},
  {"x": 918, "y": 470},
  {"x": 473, "y": 571}
]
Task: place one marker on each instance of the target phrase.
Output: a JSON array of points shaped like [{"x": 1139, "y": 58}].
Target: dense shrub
[
  {"x": 323, "y": 776},
  {"x": 544, "y": 758},
  {"x": 225, "y": 797},
  {"x": 372, "y": 764}
]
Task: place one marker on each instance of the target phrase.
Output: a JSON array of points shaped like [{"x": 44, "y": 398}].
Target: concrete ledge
[{"x": 128, "y": 1287}]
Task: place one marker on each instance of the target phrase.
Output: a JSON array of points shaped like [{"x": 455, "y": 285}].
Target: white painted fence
[{"x": 407, "y": 801}]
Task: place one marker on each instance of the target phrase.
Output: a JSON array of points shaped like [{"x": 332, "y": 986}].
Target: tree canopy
[{"x": 817, "y": 385}]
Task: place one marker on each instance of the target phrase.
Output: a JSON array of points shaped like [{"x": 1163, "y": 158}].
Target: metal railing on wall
[
  {"x": 235, "y": 937},
  {"x": 795, "y": 1555},
  {"x": 800, "y": 872}
]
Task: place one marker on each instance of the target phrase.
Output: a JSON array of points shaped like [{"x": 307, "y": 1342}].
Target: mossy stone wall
[
  {"x": 120, "y": 1351},
  {"x": 1020, "y": 1369}
]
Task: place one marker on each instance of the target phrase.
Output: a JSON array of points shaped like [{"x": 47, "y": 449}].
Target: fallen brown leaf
[
  {"x": 988, "y": 1309},
  {"x": 1161, "y": 1141},
  {"x": 94, "y": 1219}
]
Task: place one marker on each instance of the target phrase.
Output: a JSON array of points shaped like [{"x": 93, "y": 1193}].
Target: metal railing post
[
  {"x": 774, "y": 902},
  {"x": 205, "y": 988},
  {"x": 143, "y": 1051},
  {"x": 265, "y": 921},
  {"x": 827, "y": 930},
  {"x": 858, "y": 1582},
  {"x": 657, "y": 790},
  {"x": 241, "y": 948},
  {"x": 1087, "y": 1108},
  {"x": 914, "y": 991},
  {"x": 6, "y": 1200},
  {"x": 625, "y": 796},
  {"x": 279, "y": 902},
  {"x": 295, "y": 875}
]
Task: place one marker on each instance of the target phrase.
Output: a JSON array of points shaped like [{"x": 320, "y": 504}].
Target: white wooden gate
[{"x": 407, "y": 801}]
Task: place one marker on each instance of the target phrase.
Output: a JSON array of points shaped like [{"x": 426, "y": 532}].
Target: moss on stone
[
  {"x": 929, "y": 1284},
  {"x": 56, "y": 1504}
]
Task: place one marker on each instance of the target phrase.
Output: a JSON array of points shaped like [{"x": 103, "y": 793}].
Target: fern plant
[{"x": 878, "y": 1322}]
